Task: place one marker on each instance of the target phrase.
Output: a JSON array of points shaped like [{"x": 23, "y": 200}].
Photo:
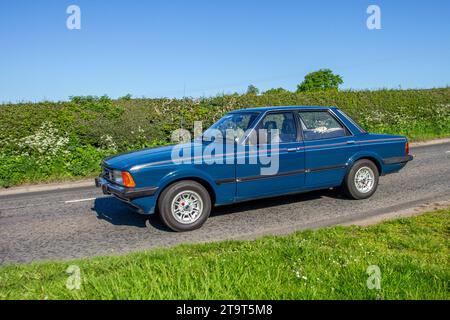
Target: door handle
[
  {"x": 292, "y": 149},
  {"x": 351, "y": 142}
]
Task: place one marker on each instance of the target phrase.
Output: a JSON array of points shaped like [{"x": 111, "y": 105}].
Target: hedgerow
[{"x": 54, "y": 140}]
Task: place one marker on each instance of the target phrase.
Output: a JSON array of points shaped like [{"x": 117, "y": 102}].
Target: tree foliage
[
  {"x": 323, "y": 79},
  {"x": 252, "y": 90},
  {"x": 276, "y": 91}
]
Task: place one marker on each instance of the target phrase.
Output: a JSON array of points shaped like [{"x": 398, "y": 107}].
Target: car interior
[{"x": 315, "y": 126}]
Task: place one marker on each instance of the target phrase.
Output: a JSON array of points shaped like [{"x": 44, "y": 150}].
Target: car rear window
[{"x": 320, "y": 125}]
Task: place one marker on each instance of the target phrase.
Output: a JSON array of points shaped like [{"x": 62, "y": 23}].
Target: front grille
[{"x": 107, "y": 174}]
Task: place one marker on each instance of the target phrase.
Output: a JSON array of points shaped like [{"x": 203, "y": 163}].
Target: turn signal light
[{"x": 127, "y": 180}]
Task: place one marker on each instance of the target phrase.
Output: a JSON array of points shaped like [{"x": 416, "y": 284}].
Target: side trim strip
[
  {"x": 223, "y": 181},
  {"x": 341, "y": 166},
  {"x": 282, "y": 174}
]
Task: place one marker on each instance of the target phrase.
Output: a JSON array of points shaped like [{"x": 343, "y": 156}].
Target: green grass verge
[{"x": 412, "y": 254}]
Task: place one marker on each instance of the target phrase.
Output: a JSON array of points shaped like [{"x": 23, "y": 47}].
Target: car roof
[{"x": 282, "y": 108}]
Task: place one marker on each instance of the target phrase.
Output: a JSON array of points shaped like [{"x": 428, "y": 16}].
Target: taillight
[
  {"x": 127, "y": 180},
  {"x": 407, "y": 148}
]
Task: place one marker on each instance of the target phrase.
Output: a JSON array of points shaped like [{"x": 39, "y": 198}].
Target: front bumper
[{"x": 123, "y": 193}]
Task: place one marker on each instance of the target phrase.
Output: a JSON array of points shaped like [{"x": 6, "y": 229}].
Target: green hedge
[{"x": 53, "y": 140}]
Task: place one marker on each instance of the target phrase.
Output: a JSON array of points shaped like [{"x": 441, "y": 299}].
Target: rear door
[
  {"x": 272, "y": 168},
  {"x": 328, "y": 147}
]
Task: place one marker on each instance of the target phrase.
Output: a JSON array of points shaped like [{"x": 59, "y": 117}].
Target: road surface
[{"x": 82, "y": 222}]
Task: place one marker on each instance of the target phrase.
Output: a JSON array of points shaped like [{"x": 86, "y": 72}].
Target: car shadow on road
[
  {"x": 117, "y": 213},
  {"x": 274, "y": 202}
]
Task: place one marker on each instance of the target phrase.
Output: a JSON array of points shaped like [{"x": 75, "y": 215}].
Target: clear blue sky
[{"x": 195, "y": 48}]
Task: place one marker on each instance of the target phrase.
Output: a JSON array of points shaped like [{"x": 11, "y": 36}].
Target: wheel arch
[
  {"x": 372, "y": 157},
  {"x": 206, "y": 184}
]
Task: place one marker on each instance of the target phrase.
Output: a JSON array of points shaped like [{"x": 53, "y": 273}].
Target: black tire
[
  {"x": 349, "y": 185},
  {"x": 182, "y": 187}
]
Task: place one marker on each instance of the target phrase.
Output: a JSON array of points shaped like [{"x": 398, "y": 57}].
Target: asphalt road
[{"x": 83, "y": 222}]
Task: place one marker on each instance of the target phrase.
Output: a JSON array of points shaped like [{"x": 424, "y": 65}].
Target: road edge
[
  {"x": 57, "y": 186},
  {"x": 352, "y": 220},
  {"x": 433, "y": 142},
  {"x": 85, "y": 183}
]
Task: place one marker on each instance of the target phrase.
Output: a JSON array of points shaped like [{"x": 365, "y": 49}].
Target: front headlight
[
  {"x": 117, "y": 177},
  {"x": 123, "y": 178}
]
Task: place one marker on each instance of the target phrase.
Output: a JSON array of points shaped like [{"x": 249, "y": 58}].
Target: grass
[{"x": 412, "y": 254}]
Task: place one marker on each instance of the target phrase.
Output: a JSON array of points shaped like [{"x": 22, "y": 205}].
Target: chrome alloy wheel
[
  {"x": 187, "y": 207},
  {"x": 364, "y": 179}
]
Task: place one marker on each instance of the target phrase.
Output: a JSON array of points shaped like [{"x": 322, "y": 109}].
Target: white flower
[
  {"x": 108, "y": 142},
  {"x": 45, "y": 141}
]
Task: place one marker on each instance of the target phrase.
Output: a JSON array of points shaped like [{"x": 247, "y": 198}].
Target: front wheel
[
  {"x": 184, "y": 205},
  {"x": 362, "y": 180}
]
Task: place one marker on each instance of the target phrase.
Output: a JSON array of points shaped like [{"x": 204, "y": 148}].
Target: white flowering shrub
[
  {"x": 140, "y": 137},
  {"x": 107, "y": 142},
  {"x": 45, "y": 142}
]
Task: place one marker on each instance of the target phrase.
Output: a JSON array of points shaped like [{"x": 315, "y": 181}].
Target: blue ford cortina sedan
[{"x": 249, "y": 154}]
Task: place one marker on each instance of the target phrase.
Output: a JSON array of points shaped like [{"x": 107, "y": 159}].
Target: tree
[
  {"x": 126, "y": 97},
  {"x": 252, "y": 90},
  {"x": 320, "y": 80},
  {"x": 276, "y": 91}
]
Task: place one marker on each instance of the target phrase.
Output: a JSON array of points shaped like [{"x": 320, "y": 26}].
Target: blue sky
[{"x": 201, "y": 48}]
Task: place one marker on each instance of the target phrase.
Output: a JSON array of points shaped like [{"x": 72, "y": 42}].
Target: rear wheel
[
  {"x": 184, "y": 205},
  {"x": 361, "y": 181}
]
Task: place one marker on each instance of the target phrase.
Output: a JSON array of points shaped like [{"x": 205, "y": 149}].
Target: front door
[{"x": 275, "y": 162}]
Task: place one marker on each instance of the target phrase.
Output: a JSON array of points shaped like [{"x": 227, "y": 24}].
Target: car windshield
[{"x": 231, "y": 126}]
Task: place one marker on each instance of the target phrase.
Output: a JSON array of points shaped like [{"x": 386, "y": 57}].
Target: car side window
[
  {"x": 278, "y": 127},
  {"x": 320, "y": 125}
]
